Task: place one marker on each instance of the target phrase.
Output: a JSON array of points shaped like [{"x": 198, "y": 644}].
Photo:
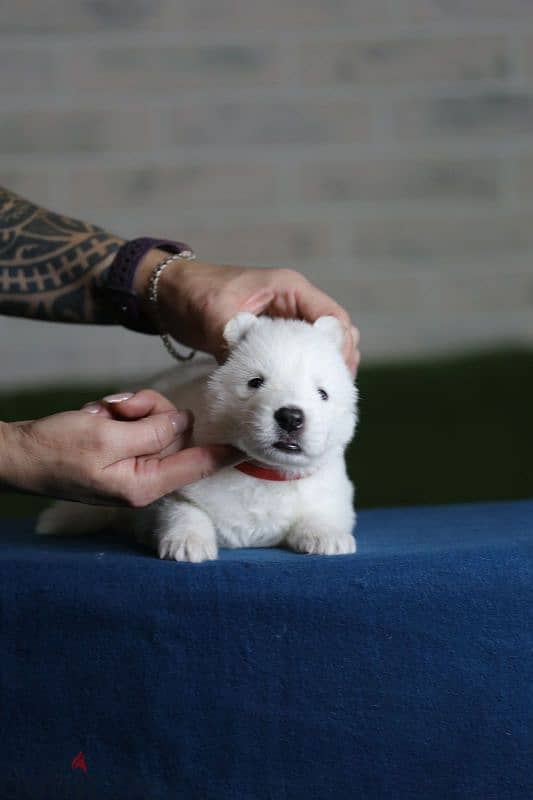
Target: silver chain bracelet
[{"x": 153, "y": 297}]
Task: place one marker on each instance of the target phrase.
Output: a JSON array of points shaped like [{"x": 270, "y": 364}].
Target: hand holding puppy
[
  {"x": 133, "y": 451},
  {"x": 124, "y": 450},
  {"x": 196, "y": 300}
]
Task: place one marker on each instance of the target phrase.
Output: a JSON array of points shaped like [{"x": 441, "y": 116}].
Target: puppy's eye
[
  {"x": 255, "y": 383},
  {"x": 323, "y": 394}
]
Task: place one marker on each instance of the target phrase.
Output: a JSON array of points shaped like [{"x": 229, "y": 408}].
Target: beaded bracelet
[{"x": 153, "y": 285}]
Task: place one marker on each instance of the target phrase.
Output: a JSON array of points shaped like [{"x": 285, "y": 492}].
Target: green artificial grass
[{"x": 448, "y": 430}]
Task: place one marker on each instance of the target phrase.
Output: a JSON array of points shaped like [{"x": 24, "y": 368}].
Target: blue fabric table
[{"x": 405, "y": 671}]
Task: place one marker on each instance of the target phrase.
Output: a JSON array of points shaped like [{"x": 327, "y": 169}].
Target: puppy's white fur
[{"x": 312, "y": 514}]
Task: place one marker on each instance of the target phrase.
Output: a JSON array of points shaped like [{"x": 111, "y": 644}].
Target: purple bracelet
[{"x": 120, "y": 277}]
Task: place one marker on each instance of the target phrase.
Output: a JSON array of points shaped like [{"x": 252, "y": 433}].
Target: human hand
[
  {"x": 196, "y": 300},
  {"x": 124, "y": 450}
]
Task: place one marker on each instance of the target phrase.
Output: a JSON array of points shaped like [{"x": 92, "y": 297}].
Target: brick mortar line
[
  {"x": 452, "y": 148},
  {"x": 457, "y": 315},
  {"x": 360, "y": 32},
  {"x": 454, "y": 273},
  {"x": 302, "y": 214},
  {"x": 105, "y": 100},
  {"x": 298, "y": 38}
]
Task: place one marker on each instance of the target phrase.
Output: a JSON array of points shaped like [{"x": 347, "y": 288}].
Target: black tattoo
[{"x": 51, "y": 266}]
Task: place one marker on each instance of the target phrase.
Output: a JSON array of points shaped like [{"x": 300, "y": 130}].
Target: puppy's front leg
[
  {"x": 180, "y": 531},
  {"x": 320, "y": 536}
]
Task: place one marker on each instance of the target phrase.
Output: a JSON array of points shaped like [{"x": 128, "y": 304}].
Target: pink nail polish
[
  {"x": 180, "y": 421},
  {"x": 118, "y": 398},
  {"x": 92, "y": 408}
]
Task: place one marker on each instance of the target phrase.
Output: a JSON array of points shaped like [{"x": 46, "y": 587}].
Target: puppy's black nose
[{"x": 289, "y": 418}]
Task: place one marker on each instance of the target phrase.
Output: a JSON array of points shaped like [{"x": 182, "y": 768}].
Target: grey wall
[{"x": 383, "y": 147}]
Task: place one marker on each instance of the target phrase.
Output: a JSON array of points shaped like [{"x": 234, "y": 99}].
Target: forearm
[
  {"x": 4, "y": 477},
  {"x": 51, "y": 266},
  {"x": 11, "y": 455}
]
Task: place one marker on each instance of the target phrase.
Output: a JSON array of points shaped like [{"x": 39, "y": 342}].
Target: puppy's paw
[
  {"x": 186, "y": 547},
  {"x": 321, "y": 542}
]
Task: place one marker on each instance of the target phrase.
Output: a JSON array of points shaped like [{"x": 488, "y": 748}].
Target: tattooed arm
[{"x": 50, "y": 265}]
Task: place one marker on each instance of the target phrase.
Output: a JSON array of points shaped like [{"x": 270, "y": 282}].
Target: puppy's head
[{"x": 284, "y": 396}]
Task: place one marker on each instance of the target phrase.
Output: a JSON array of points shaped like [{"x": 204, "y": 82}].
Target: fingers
[
  {"x": 107, "y": 405},
  {"x": 355, "y": 365},
  {"x": 129, "y": 406},
  {"x": 314, "y": 303},
  {"x": 259, "y": 301},
  {"x": 97, "y": 408},
  {"x": 156, "y": 427},
  {"x": 191, "y": 465},
  {"x": 135, "y": 406},
  {"x": 318, "y": 304},
  {"x": 350, "y": 351},
  {"x": 148, "y": 436}
]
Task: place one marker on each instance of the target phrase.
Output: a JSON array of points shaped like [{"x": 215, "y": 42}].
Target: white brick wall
[{"x": 383, "y": 147}]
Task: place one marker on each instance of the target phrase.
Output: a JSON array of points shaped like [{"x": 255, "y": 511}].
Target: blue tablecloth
[{"x": 405, "y": 671}]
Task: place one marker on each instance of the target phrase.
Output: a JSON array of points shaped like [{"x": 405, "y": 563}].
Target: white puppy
[{"x": 285, "y": 398}]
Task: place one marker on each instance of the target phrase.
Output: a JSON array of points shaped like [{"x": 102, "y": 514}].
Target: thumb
[
  {"x": 193, "y": 464},
  {"x": 148, "y": 436},
  {"x": 143, "y": 403}
]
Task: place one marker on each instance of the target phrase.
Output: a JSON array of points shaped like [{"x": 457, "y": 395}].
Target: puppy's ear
[
  {"x": 332, "y": 328},
  {"x": 237, "y": 328}
]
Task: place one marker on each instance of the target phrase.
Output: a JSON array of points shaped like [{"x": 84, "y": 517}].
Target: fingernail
[
  {"x": 180, "y": 421},
  {"x": 92, "y": 408},
  {"x": 356, "y": 336},
  {"x": 118, "y": 398}
]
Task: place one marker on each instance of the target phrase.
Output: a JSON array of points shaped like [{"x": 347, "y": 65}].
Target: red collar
[{"x": 265, "y": 473}]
